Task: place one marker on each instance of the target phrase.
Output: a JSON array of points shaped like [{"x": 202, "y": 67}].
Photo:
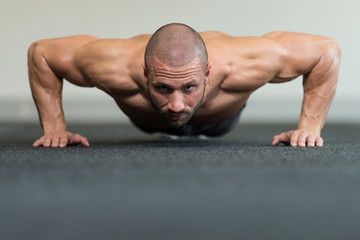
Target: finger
[
  {"x": 294, "y": 139},
  {"x": 281, "y": 138},
  {"x": 77, "y": 138},
  {"x": 276, "y": 140},
  {"x": 85, "y": 142},
  {"x": 319, "y": 141},
  {"x": 301, "y": 142},
  {"x": 74, "y": 139},
  {"x": 47, "y": 142},
  {"x": 55, "y": 142},
  {"x": 63, "y": 142},
  {"x": 38, "y": 142},
  {"x": 310, "y": 141}
]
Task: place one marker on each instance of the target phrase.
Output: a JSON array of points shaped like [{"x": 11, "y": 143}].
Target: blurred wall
[{"x": 23, "y": 21}]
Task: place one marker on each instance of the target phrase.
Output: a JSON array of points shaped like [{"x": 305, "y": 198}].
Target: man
[{"x": 188, "y": 84}]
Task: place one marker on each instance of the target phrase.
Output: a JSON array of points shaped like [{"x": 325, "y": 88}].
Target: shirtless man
[{"x": 188, "y": 83}]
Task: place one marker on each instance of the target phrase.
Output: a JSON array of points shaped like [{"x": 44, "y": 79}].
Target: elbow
[
  {"x": 36, "y": 55},
  {"x": 33, "y": 49},
  {"x": 333, "y": 49},
  {"x": 33, "y": 52}
]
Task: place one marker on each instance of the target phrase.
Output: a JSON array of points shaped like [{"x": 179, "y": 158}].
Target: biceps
[{"x": 57, "y": 56}]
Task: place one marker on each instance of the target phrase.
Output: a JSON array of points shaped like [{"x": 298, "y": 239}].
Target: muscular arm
[
  {"x": 49, "y": 61},
  {"x": 317, "y": 58}
]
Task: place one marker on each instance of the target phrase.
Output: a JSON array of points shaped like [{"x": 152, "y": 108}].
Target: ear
[
  {"x": 145, "y": 71},
  {"x": 146, "y": 75},
  {"x": 207, "y": 73}
]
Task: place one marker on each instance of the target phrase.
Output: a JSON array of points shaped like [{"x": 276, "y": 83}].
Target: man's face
[{"x": 177, "y": 93}]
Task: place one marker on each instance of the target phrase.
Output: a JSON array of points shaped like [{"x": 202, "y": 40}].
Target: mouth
[{"x": 176, "y": 117}]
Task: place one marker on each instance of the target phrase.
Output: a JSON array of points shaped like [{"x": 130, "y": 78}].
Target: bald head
[{"x": 175, "y": 45}]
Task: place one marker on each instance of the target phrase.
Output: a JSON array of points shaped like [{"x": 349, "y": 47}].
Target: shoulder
[
  {"x": 302, "y": 51},
  {"x": 109, "y": 50},
  {"x": 297, "y": 43},
  {"x": 74, "y": 41},
  {"x": 222, "y": 40},
  {"x": 237, "y": 52},
  {"x": 272, "y": 42},
  {"x": 246, "y": 63},
  {"x": 61, "y": 50},
  {"x": 59, "y": 55},
  {"x": 113, "y": 65}
]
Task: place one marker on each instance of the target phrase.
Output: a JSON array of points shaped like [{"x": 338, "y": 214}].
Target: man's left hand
[{"x": 298, "y": 138}]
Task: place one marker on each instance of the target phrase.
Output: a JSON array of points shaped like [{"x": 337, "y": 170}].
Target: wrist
[
  {"x": 309, "y": 128},
  {"x": 52, "y": 128}
]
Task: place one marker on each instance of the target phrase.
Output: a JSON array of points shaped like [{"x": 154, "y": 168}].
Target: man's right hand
[{"x": 61, "y": 139}]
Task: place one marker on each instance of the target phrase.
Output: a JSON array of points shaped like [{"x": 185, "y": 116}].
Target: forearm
[
  {"x": 46, "y": 90},
  {"x": 315, "y": 107},
  {"x": 49, "y": 107},
  {"x": 319, "y": 91}
]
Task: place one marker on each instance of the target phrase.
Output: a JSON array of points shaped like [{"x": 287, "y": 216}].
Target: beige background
[{"x": 23, "y": 21}]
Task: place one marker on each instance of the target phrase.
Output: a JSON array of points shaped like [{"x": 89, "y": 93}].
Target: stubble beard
[{"x": 182, "y": 122}]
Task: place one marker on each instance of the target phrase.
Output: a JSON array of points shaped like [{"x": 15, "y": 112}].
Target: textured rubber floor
[{"x": 128, "y": 185}]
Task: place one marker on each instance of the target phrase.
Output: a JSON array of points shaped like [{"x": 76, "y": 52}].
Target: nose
[{"x": 176, "y": 103}]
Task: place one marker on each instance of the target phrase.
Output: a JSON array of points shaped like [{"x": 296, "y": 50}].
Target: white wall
[{"x": 23, "y": 21}]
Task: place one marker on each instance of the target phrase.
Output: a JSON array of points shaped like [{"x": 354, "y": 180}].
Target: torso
[{"x": 118, "y": 71}]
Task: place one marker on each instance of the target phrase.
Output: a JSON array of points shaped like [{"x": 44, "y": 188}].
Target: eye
[
  {"x": 162, "y": 88},
  {"x": 190, "y": 88}
]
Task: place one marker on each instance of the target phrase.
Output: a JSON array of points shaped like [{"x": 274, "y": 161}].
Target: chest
[{"x": 216, "y": 107}]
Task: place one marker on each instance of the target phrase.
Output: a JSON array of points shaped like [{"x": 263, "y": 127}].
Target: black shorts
[{"x": 211, "y": 130}]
